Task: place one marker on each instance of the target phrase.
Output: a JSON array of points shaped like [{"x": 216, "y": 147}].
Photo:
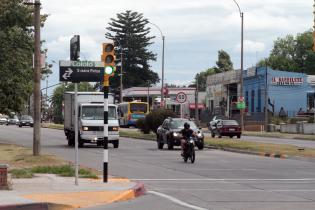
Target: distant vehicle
[
  {"x": 226, "y": 128},
  {"x": 169, "y": 133},
  {"x": 215, "y": 119},
  {"x": 26, "y": 120},
  {"x": 130, "y": 112},
  {"x": 13, "y": 120},
  {"x": 3, "y": 120},
  {"x": 90, "y": 119}
]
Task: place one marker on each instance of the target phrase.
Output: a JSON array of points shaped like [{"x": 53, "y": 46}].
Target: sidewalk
[{"x": 47, "y": 191}]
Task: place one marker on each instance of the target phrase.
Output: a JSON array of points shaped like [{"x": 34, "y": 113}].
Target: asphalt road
[{"x": 218, "y": 180}]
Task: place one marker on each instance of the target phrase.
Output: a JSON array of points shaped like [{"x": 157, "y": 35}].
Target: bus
[{"x": 130, "y": 112}]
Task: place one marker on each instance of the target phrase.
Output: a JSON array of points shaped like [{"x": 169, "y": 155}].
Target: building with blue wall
[{"x": 289, "y": 90}]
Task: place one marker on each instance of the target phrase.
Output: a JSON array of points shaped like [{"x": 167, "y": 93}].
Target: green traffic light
[{"x": 109, "y": 69}]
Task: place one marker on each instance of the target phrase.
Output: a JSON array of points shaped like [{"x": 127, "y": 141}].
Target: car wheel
[
  {"x": 116, "y": 144},
  {"x": 170, "y": 145},
  {"x": 238, "y": 136},
  {"x": 231, "y": 137},
  {"x": 160, "y": 144},
  {"x": 200, "y": 146},
  {"x": 212, "y": 135},
  {"x": 220, "y": 136},
  {"x": 20, "y": 126}
]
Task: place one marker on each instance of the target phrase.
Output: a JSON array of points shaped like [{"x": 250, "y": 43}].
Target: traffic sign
[
  {"x": 181, "y": 97},
  {"x": 241, "y": 105},
  {"x": 81, "y": 71}
]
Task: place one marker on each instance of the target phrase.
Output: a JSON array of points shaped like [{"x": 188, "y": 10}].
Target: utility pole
[
  {"x": 266, "y": 99},
  {"x": 196, "y": 101},
  {"x": 37, "y": 76}
]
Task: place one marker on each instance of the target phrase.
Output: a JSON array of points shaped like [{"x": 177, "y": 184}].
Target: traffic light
[{"x": 108, "y": 57}]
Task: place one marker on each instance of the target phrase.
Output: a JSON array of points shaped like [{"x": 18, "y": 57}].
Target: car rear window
[{"x": 230, "y": 122}]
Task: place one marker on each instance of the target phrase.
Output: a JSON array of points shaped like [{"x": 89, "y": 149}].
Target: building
[
  {"x": 153, "y": 95},
  {"x": 290, "y": 90}
]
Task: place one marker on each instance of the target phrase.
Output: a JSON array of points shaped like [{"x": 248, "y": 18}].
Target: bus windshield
[
  {"x": 97, "y": 113},
  {"x": 138, "y": 108}
]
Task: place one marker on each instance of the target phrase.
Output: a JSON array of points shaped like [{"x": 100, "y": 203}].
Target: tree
[
  {"x": 57, "y": 98},
  {"x": 292, "y": 53},
  {"x": 131, "y": 31},
  {"x": 224, "y": 64},
  {"x": 16, "y": 49}
]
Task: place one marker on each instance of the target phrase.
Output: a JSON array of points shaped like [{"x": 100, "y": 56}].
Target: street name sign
[{"x": 81, "y": 71}]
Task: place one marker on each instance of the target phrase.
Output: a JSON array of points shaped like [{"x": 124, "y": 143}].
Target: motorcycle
[{"x": 189, "y": 150}]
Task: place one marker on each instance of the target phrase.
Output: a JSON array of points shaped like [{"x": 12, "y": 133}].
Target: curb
[
  {"x": 35, "y": 206},
  {"x": 281, "y": 156}
]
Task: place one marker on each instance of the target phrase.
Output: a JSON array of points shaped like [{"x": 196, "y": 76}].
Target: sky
[{"x": 194, "y": 30}]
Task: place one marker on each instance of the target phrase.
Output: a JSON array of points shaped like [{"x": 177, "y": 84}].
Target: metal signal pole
[{"x": 105, "y": 158}]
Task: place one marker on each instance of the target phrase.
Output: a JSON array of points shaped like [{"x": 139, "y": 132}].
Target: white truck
[{"x": 90, "y": 119}]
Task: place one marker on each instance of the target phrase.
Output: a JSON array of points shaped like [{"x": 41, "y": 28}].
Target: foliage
[
  {"x": 58, "y": 97},
  {"x": 16, "y": 49},
  {"x": 155, "y": 118},
  {"x": 131, "y": 31},
  {"x": 224, "y": 64},
  {"x": 292, "y": 53},
  {"x": 143, "y": 126}
]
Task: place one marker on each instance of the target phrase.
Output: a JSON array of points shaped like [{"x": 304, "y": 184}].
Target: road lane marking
[
  {"x": 177, "y": 201},
  {"x": 144, "y": 179},
  {"x": 220, "y": 190}
]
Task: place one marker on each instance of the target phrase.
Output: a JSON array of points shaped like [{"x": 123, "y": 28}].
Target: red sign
[
  {"x": 181, "y": 97},
  {"x": 241, "y": 99},
  {"x": 165, "y": 91}
]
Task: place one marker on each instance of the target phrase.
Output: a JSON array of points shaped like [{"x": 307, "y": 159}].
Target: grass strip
[
  {"x": 280, "y": 135},
  {"x": 53, "y": 126},
  {"x": 63, "y": 170},
  {"x": 237, "y": 144}
]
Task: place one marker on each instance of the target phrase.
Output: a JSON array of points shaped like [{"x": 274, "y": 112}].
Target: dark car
[
  {"x": 26, "y": 120},
  {"x": 169, "y": 133},
  {"x": 226, "y": 128}
]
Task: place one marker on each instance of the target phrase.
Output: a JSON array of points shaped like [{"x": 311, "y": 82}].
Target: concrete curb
[
  {"x": 281, "y": 156},
  {"x": 36, "y": 206}
]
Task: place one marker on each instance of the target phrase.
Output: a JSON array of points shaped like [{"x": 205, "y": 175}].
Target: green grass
[
  {"x": 53, "y": 126},
  {"x": 280, "y": 135},
  {"x": 63, "y": 170},
  {"x": 137, "y": 135}
]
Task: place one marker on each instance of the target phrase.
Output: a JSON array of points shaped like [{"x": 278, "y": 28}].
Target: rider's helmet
[{"x": 186, "y": 125}]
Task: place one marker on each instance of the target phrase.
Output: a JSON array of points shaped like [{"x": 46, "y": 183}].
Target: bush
[
  {"x": 154, "y": 119},
  {"x": 310, "y": 120},
  {"x": 143, "y": 127}
]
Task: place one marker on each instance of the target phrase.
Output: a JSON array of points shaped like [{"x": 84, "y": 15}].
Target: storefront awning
[{"x": 199, "y": 105}]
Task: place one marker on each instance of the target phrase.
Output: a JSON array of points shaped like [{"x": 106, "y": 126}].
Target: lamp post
[
  {"x": 163, "y": 41},
  {"x": 121, "y": 71},
  {"x": 242, "y": 54}
]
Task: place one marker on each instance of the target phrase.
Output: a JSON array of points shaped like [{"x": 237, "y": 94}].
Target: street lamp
[
  {"x": 163, "y": 40},
  {"x": 242, "y": 47},
  {"x": 121, "y": 70}
]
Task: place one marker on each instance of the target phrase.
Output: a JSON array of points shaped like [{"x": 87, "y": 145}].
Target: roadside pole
[
  {"x": 76, "y": 133},
  {"x": 105, "y": 158}
]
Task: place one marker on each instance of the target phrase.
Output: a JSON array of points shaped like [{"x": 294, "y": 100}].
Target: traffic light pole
[{"x": 105, "y": 158}]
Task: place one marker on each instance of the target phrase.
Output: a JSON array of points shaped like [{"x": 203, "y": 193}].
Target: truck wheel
[
  {"x": 116, "y": 144},
  {"x": 81, "y": 143}
]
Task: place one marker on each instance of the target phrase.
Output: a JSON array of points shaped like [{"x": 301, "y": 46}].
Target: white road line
[
  {"x": 249, "y": 190},
  {"x": 175, "y": 200},
  {"x": 305, "y": 179}
]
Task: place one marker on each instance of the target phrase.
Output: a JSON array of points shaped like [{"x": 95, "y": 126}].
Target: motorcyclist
[{"x": 186, "y": 132}]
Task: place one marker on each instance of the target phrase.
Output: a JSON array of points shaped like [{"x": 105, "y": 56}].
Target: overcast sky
[{"x": 194, "y": 30}]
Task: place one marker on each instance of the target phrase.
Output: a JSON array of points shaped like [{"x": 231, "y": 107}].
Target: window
[
  {"x": 259, "y": 101},
  {"x": 253, "y": 101}
]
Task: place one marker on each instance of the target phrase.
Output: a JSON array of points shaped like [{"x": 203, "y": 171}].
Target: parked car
[
  {"x": 13, "y": 120},
  {"x": 226, "y": 128},
  {"x": 3, "y": 120},
  {"x": 26, "y": 120},
  {"x": 169, "y": 133}
]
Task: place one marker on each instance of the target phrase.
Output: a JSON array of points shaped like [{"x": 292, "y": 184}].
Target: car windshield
[
  {"x": 25, "y": 117},
  {"x": 229, "y": 122},
  {"x": 97, "y": 113},
  {"x": 179, "y": 124}
]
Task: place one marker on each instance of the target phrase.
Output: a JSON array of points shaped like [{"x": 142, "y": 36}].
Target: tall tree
[
  {"x": 224, "y": 62},
  {"x": 131, "y": 31},
  {"x": 57, "y": 98},
  {"x": 16, "y": 49},
  {"x": 292, "y": 53}
]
